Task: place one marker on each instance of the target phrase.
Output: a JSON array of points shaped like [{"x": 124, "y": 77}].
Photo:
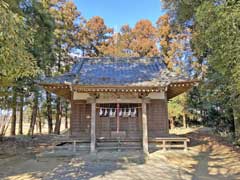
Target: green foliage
[
  {"x": 42, "y": 27},
  {"x": 36, "y": 39},
  {"x": 211, "y": 102},
  {"x": 15, "y": 59},
  {"x": 177, "y": 106},
  {"x": 215, "y": 41},
  {"x": 218, "y": 25},
  {"x": 64, "y": 14}
]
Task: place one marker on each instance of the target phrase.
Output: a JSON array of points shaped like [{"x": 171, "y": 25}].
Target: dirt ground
[{"x": 209, "y": 157}]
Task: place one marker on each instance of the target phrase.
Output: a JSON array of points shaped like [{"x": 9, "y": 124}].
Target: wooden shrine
[{"x": 119, "y": 98}]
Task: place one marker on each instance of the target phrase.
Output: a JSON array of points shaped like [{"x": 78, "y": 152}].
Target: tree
[
  {"x": 42, "y": 24},
  {"x": 143, "y": 39},
  {"x": 178, "y": 108},
  {"x": 169, "y": 42},
  {"x": 5, "y": 116},
  {"x": 118, "y": 45},
  {"x": 94, "y": 37},
  {"x": 65, "y": 13},
  {"x": 21, "y": 106},
  {"x": 125, "y": 40},
  {"x": 14, "y": 114},
  {"x": 216, "y": 36},
  {"x": 49, "y": 112},
  {"x": 15, "y": 59},
  {"x": 215, "y": 41}
]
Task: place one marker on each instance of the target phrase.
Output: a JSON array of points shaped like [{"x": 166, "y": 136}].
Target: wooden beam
[
  {"x": 93, "y": 125},
  {"x": 144, "y": 127},
  {"x": 120, "y": 100},
  {"x": 116, "y": 88}
]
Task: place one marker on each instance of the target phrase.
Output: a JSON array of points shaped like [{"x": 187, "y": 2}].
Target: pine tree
[
  {"x": 65, "y": 13},
  {"x": 15, "y": 60}
]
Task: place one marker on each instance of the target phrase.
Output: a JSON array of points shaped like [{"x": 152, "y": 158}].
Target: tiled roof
[{"x": 118, "y": 71}]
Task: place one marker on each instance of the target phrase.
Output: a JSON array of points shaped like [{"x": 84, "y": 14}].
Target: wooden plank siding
[
  {"x": 157, "y": 123},
  {"x": 79, "y": 123},
  {"x": 106, "y": 125},
  {"x": 157, "y": 118}
]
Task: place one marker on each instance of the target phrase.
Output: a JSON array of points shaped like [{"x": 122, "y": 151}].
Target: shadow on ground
[
  {"x": 211, "y": 157},
  {"x": 208, "y": 158}
]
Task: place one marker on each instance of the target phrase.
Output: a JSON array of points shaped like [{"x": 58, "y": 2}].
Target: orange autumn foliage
[
  {"x": 169, "y": 41},
  {"x": 143, "y": 39},
  {"x": 94, "y": 36}
]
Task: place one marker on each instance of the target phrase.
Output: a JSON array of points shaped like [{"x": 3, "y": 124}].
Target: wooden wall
[
  {"x": 80, "y": 119},
  {"x": 106, "y": 125},
  {"x": 157, "y": 121},
  {"x": 157, "y": 118}
]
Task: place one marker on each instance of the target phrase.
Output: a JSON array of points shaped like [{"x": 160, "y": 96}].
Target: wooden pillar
[
  {"x": 93, "y": 125},
  {"x": 118, "y": 119},
  {"x": 144, "y": 127}
]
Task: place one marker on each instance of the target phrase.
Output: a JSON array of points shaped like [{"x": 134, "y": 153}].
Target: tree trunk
[
  {"x": 236, "y": 116},
  {"x": 236, "y": 122},
  {"x": 232, "y": 125},
  {"x": 58, "y": 117},
  {"x": 39, "y": 122},
  {"x": 40, "y": 126},
  {"x": 49, "y": 112},
  {"x": 34, "y": 114},
  {"x": 185, "y": 121},
  {"x": 172, "y": 125},
  {"x": 3, "y": 126},
  {"x": 14, "y": 115},
  {"x": 20, "y": 127},
  {"x": 58, "y": 106},
  {"x": 66, "y": 116}
]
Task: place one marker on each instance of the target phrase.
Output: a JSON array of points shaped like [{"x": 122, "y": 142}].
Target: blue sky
[{"x": 119, "y": 12}]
